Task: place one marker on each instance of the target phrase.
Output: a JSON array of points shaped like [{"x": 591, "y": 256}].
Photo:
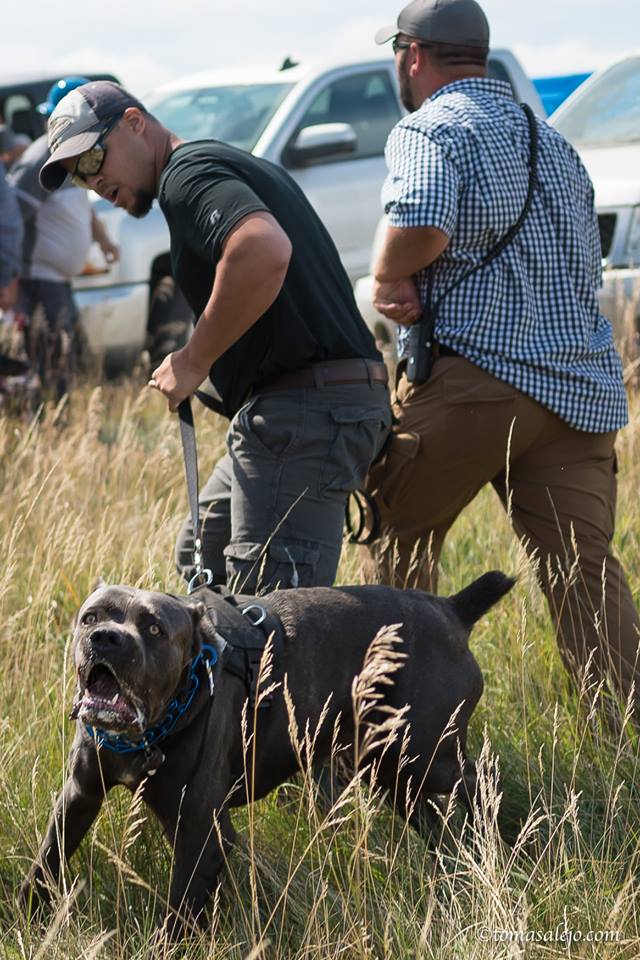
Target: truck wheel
[{"x": 169, "y": 320}]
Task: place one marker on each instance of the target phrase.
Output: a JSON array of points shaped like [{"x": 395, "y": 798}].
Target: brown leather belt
[{"x": 328, "y": 373}]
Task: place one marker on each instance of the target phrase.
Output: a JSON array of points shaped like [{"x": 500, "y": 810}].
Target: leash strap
[{"x": 202, "y": 576}]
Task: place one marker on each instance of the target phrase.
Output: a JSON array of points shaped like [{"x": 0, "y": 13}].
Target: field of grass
[{"x": 99, "y": 491}]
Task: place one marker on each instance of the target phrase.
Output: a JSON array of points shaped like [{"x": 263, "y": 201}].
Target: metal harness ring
[
  {"x": 201, "y": 578},
  {"x": 261, "y": 618}
]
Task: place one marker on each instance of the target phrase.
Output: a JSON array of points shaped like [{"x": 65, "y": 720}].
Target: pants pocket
[
  {"x": 280, "y": 565},
  {"x": 390, "y": 477},
  {"x": 359, "y": 433},
  {"x": 272, "y": 424}
]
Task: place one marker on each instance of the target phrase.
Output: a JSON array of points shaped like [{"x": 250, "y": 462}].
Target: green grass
[{"x": 104, "y": 495}]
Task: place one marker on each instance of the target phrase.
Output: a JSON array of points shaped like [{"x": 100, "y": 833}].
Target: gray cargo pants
[{"x": 273, "y": 509}]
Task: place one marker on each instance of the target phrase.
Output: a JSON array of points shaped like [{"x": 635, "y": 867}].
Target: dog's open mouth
[{"x": 102, "y": 702}]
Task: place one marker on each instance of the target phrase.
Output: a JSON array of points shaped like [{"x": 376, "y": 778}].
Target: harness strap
[{"x": 246, "y": 623}]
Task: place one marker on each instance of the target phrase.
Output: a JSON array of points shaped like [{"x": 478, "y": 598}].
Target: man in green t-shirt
[{"x": 278, "y": 347}]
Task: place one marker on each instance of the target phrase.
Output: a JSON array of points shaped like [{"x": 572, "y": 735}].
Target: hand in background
[
  {"x": 9, "y": 294},
  {"x": 110, "y": 250}
]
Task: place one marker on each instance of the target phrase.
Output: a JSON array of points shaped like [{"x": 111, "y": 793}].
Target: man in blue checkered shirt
[{"x": 526, "y": 391}]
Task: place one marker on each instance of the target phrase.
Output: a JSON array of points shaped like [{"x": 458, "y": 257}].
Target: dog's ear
[
  {"x": 99, "y": 583},
  {"x": 204, "y": 630}
]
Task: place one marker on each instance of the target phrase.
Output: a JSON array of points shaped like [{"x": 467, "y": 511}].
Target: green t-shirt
[{"x": 205, "y": 189}]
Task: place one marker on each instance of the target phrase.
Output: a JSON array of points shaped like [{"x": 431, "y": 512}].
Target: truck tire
[{"x": 169, "y": 320}]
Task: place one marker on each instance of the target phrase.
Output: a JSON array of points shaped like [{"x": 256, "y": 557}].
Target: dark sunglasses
[
  {"x": 397, "y": 44},
  {"x": 90, "y": 163}
]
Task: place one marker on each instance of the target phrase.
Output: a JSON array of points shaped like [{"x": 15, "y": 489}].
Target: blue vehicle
[{"x": 554, "y": 90}]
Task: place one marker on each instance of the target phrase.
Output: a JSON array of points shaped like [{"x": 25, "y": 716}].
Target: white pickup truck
[
  {"x": 326, "y": 125},
  {"x": 602, "y": 120}
]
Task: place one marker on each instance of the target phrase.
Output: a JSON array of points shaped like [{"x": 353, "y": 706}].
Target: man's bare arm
[
  {"x": 248, "y": 278},
  {"x": 407, "y": 250}
]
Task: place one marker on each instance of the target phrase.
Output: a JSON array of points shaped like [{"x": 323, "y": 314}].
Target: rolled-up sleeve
[
  {"x": 422, "y": 188},
  {"x": 10, "y": 232}
]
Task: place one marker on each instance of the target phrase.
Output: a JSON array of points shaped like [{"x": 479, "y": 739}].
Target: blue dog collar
[{"x": 119, "y": 743}]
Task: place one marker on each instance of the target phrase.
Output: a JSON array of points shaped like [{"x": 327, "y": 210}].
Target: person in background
[
  {"x": 526, "y": 391},
  {"x": 58, "y": 232},
  {"x": 12, "y": 145},
  {"x": 11, "y": 233}
]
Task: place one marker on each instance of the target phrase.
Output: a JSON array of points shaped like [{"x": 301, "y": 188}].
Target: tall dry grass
[{"x": 101, "y": 493}]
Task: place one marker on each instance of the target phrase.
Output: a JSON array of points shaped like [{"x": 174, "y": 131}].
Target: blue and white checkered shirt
[{"x": 531, "y": 317}]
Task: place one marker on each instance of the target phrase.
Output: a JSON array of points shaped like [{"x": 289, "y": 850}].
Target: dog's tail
[{"x": 474, "y": 601}]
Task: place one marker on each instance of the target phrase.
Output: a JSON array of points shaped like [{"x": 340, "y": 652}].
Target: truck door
[{"x": 345, "y": 191}]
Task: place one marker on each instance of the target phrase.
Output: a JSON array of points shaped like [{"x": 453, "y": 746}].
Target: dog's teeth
[{"x": 114, "y": 698}]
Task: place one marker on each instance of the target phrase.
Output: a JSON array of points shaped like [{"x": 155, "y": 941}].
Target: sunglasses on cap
[{"x": 90, "y": 163}]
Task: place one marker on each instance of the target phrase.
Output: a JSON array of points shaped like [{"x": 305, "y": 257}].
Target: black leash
[{"x": 202, "y": 576}]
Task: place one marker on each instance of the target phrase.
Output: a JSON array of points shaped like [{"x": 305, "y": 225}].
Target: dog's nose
[{"x": 104, "y": 638}]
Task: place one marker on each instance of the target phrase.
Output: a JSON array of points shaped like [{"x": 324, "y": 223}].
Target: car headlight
[{"x": 632, "y": 249}]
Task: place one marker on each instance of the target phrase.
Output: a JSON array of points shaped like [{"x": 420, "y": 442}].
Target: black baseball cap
[
  {"x": 459, "y": 22},
  {"x": 77, "y": 122}
]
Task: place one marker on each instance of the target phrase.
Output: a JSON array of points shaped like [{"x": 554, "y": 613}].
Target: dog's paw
[{"x": 33, "y": 897}]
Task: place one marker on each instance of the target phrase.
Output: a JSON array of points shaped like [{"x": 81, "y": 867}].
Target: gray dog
[{"x": 162, "y": 682}]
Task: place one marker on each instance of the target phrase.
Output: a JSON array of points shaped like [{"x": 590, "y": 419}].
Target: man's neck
[
  {"x": 167, "y": 143},
  {"x": 445, "y": 77}
]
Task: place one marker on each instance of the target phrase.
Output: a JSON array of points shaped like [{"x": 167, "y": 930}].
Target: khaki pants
[{"x": 463, "y": 429}]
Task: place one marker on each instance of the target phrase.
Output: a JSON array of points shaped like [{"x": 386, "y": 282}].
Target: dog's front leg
[
  {"x": 76, "y": 809},
  {"x": 202, "y": 840}
]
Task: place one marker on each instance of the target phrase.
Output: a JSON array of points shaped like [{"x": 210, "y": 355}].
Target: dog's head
[{"x": 132, "y": 650}]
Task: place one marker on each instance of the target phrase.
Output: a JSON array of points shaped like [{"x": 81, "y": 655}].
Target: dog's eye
[
  {"x": 154, "y": 630},
  {"x": 89, "y": 618}
]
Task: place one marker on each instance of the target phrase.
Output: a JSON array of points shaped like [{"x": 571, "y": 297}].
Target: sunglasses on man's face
[
  {"x": 398, "y": 44},
  {"x": 90, "y": 163}
]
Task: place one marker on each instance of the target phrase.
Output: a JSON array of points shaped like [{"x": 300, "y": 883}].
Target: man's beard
[
  {"x": 405, "y": 89},
  {"x": 143, "y": 201}
]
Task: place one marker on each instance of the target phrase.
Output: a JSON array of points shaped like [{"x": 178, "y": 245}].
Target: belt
[
  {"x": 444, "y": 351},
  {"x": 328, "y": 373}
]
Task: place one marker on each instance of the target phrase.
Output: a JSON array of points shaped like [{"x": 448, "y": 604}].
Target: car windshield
[
  {"x": 236, "y": 114},
  {"x": 609, "y": 111}
]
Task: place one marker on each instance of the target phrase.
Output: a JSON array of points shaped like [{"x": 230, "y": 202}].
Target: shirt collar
[{"x": 499, "y": 88}]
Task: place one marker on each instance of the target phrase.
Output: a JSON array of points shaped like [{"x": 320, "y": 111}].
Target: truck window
[
  {"x": 20, "y": 115},
  {"x": 365, "y": 100}
]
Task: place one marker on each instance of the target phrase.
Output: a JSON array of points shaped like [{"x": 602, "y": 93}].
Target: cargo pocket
[
  {"x": 282, "y": 564},
  {"x": 392, "y": 475},
  {"x": 358, "y": 435}
]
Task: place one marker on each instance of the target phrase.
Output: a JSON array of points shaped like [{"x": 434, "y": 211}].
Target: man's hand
[
  {"x": 110, "y": 250},
  {"x": 178, "y": 377},
  {"x": 9, "y": 294},
  {"x": 398, "y": 301}
]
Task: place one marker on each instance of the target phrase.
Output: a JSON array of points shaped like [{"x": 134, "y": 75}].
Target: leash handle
[{"x": 202, "y": 576}]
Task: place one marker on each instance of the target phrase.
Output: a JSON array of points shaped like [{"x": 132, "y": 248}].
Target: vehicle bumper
[{"x": 114, "y": 319}]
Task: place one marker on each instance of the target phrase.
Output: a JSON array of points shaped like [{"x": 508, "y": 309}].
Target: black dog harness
[{"x": 245, "y": 624}]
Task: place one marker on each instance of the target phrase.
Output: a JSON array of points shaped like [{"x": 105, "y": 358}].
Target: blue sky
[{"x": 147, "y": 43}]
